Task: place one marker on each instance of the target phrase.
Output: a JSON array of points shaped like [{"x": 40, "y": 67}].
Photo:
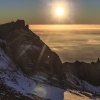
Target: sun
[{"x": 59, "y": 11}]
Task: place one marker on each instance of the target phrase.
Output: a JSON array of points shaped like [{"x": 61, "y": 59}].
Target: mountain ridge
[{"x": 31, "y": 69}]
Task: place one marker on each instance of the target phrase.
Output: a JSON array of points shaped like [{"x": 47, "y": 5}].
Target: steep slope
[
  {"x": 30, "y": 70},
  {"x": 8, "y": 78},
  {"x": 28, "y": 67},
  {"x": 27, "y": 50},
  {"x": 83, "y": 76},
  {"x": 85, "y": 71},
  {"x": 18, "y": 85}
]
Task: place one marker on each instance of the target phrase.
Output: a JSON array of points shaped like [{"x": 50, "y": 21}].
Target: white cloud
[{"x": 93, "y": 42}]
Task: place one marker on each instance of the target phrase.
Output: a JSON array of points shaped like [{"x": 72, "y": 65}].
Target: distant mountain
[
  {"x": 85, "y": 71},
  {"x": 30, "y": 70},
  {"x": 84, "y": 76}
]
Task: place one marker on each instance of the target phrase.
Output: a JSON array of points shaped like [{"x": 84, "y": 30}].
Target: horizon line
[{"x": 65, "y": 27}]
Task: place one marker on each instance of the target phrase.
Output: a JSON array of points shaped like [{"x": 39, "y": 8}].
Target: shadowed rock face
[
  {"x": 85, "y": 71},
  {"x": 27, "y": 50}
]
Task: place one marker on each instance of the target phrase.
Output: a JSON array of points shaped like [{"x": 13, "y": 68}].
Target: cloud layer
[{"x": 72, "y": 46}]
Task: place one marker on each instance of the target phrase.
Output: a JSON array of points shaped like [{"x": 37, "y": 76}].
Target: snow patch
[
  {"x": 82, "y": 85},
  {"x": 15, "y": 79}
]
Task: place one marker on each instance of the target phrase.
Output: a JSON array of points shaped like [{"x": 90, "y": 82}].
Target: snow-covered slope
[
  {"x": 28, "y": 86},
  {"x": 82, "y": 85},
  {"x": 36, "y": 85}
]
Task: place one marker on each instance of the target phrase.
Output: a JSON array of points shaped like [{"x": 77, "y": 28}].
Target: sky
[{"x": 42, "y": 12}]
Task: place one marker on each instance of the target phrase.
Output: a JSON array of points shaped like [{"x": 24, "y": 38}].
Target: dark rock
[
  {"x": 27, "y": 27},
  {"x": 28, "y": 51},
  {"x": 98, "y": 60},
  {"x": 84, "y": 71},
  {"x": 19, "y": 24}
]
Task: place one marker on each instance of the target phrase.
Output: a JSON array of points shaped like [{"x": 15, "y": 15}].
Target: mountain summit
[
  {"x": 30, "y": 70},
  {"x": 26, "y": 63},
  {"x": 27, "y": 50}
]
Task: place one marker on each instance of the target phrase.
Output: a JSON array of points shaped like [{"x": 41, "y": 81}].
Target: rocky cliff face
[
  {"x": 27, "y": 50},
  {"x": 26, "y": 62},
  {"x": 30, "y": 70},
  {"x": 85, "y": 71}
]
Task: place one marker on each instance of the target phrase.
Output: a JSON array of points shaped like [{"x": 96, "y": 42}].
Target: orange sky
[{"x": 65, "y": 27}]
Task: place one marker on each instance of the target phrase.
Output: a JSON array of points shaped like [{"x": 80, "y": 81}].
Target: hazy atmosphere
[
  {"x": 71, "y": 43},
  {"x": 42, "y": 11}
]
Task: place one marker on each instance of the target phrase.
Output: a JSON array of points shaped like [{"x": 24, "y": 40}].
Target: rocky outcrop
[
  {"x": 85, "y": 71},
  {"x": 27, "y": 50}
]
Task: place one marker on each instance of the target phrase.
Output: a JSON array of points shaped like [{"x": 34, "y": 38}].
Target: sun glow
[{"x": 60, "y": 11}]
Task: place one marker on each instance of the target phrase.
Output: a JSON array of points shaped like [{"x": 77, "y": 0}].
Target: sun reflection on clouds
[
  {"x": 55, "y": 49},
  {"x": 74, "y": 45},
  {"x": 93, "y": 42}
]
